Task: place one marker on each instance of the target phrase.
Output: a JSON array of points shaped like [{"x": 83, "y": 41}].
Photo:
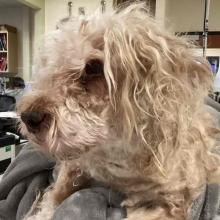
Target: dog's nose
[{"x": 32, "y": 120}]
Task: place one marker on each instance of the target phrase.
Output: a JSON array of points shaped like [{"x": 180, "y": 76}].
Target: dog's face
[
  {"x": 66, "y": 111},
  {"x": 111, "y": 77}
]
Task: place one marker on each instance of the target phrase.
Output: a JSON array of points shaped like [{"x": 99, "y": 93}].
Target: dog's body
[{"x": 120, "y": 101}]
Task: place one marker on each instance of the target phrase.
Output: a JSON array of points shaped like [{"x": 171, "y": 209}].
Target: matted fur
[{"x": 142, "y": 128}]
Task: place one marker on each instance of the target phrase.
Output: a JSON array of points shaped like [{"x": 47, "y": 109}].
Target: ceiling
[{"x": 10, "y": 3}]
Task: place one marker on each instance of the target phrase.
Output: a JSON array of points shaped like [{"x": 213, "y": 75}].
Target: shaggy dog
[{"x": 119, "y": 100}]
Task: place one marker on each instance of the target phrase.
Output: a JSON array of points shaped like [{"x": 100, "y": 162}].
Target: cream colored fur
[{"x": 141, "y": 127}]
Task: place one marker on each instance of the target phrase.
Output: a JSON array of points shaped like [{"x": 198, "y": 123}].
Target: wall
[
  {"x": 20, "y": 20},
  {"x": 36, "y": 22},
  {"x": 58, "y": 9},
  {"x": 188, "y": 15},
  {"x": 26, "y": 43},
  {"x": 32, "y": 33},
  {"x": 162, "y": 11}
]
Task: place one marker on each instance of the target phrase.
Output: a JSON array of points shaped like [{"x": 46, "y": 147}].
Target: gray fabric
[
  {"x": 212, "y": 103},
  {"x": 95, "y": 203},
  {"x": 206, "y": 207},
  {"x": 30, "y": 170}
]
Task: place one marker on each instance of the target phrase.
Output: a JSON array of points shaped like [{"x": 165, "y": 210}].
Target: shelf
[
  {"x": 11, "y": 54},
  {"x": 7, "y": 74}
]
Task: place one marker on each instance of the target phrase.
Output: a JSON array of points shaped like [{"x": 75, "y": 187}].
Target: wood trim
[{"x": 35, "y": 4}]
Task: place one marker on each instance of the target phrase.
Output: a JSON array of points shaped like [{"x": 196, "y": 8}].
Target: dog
[{"x": 117, "y": 99}]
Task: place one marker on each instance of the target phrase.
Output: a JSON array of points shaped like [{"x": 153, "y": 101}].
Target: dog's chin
[
  {"x": 58, "y": 149},
  {"x": 36, "y": 141},
  {"x": 64, "y": 153}
]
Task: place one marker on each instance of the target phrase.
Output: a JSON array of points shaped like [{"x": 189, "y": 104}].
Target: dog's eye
[{"x": 94, "y": 67}]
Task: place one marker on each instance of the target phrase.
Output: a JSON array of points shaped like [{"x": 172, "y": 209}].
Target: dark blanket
[
  {"x": 95, "y": 203},
  {"x": 30, "y": 170}
]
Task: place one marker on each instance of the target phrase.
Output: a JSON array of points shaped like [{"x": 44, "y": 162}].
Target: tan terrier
[{"x": 119, "y": 100}]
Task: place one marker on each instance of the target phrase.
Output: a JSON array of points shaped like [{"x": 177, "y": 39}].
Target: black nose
[{"x": 32, "y": 120}]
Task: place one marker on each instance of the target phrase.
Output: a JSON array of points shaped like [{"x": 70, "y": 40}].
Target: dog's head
[{"x": 115, "y": 76}]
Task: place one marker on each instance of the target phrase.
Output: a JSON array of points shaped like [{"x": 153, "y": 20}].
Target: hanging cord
[
  {"x": 103, "y": 4},
  {"x": 66, "y": 19},
  {"x": 206, "y": 27},
  {"x": 70, "y": 5}
]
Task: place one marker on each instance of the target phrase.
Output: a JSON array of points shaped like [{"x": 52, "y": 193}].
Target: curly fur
[{"x": 141, "y": 128}]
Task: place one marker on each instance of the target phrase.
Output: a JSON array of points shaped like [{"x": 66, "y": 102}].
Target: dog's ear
[{"x": 155, "y": 75}]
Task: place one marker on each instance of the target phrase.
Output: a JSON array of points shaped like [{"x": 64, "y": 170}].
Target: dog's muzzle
[{"x": 33, "y": 121}]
